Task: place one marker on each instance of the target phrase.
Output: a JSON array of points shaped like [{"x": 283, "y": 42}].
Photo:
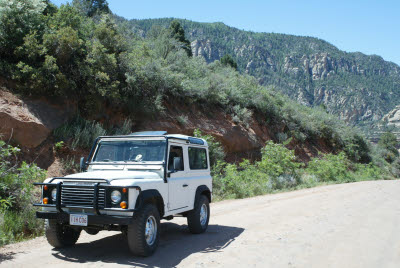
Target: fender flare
[
  {"x": 203, "y": 189},
  {"x": 152, "y": 196}
]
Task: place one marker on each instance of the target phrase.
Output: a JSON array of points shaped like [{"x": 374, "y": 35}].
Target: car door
[{"x": 178, "y": 186}]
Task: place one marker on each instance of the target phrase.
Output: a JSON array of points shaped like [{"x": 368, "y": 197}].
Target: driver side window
[{"x": 175, "y": 151}]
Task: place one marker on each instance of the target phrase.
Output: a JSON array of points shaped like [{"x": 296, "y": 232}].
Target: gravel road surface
[{"x": 346, "y": 225}]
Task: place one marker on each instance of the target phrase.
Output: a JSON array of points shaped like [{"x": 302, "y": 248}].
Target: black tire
[
  {"x": 196, "y": 223},
  {"x": 139, "y": 243},
  {"x": 92, "y": 231},
  {"x": 60, "y": 235}
]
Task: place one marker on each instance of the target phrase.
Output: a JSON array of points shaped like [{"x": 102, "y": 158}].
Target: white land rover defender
[{"x": 129, "y": 183}]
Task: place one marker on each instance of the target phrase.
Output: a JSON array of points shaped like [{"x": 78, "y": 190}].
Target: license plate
[{"x": 80, "y": 220}]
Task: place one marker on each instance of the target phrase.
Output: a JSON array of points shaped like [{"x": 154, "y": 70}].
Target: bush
[
  {"x": 17, "y": 219},
  {"x": 330, "y": 168},
  {"x": 241, "y": 115},
  {"x": 277, "y": 160},
  {"x": 277, "y": 170},
  {"x": 80, "y": 132}
]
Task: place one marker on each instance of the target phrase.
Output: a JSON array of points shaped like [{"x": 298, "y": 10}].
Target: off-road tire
[
  {"x": 136, "y": 233},
  {"x": 92, "y": 231},
  {"x": 194, "y": 217},
  {"x": 59, "y": 235}
]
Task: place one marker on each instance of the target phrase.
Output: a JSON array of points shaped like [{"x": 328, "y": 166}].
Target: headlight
[
  {"x": 54, "y": 194},
  {"x": 115, "y": 196}
]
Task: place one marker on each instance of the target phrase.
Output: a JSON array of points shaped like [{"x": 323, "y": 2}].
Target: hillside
[
  {"x": 72, "y": 73},
  {"x": 358, "y": 88}
]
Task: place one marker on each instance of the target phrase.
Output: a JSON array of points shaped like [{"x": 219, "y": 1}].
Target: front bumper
[
  {"x": 63, "y": 217},
  {"x": 59, "y": 205}
]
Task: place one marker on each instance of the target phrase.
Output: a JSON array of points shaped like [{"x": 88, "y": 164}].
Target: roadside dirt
[{"x": 347, "y": 225}]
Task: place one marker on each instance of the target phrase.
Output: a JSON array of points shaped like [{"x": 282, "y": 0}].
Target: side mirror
[
  {"x": 82, "y": 164},
  {"x": 177, "y": 163}
]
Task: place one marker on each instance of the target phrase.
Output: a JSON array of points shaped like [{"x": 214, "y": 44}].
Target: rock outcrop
[
  {"x": 28, "y": 122},
  {"x": 393, "y": 117}
]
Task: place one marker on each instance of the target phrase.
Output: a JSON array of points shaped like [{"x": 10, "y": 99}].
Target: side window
[
  {"x": 175, "y": 151},
  {"x": 197, "y": 158}
]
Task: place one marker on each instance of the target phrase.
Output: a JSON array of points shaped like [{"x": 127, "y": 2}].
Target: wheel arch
[
  {"x": 203, "y": 190},
  {"x": 153, "y": 197}
]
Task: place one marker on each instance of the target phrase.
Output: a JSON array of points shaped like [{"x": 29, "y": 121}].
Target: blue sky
[{"x": 371, "y": 27}]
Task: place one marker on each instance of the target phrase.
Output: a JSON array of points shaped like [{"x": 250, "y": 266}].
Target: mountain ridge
[{"x": 359, "y": 88}]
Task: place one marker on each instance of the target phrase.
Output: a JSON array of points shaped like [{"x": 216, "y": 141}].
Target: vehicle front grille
[{"x": 81, "y": 196}]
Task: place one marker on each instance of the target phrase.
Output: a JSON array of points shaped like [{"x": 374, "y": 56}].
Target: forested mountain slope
[{"x": 357, "y": 87}]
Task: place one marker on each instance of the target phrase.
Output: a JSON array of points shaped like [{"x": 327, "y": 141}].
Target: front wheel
[
  {"x": 198, "y": 217},
  {"x": 60, "y": 235},
  {"x": 144, "y": 233}
]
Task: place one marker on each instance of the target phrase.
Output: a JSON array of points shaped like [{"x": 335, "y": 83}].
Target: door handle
[{"x": 185, "y": 185}]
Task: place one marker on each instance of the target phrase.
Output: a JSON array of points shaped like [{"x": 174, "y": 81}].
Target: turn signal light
[
  {"x": 123, "y": 205},
  {"x": 45, "y": 187},
  {"x": 45, "y": 200},
  {"x": 124, "y": 190}
]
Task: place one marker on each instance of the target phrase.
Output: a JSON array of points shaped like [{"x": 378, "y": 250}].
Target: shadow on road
[
  {"x": 176, "y": 244},
  {"x": 6, "y": 256}
]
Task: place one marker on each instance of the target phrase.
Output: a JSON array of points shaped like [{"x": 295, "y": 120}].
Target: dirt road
[{"x": 348, "y": 225}]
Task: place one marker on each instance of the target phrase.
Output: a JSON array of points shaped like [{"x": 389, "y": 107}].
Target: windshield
[{"x": 130, "y": 151}]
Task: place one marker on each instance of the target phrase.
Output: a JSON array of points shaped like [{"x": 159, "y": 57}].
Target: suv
[{"x": 128, "y": 183}]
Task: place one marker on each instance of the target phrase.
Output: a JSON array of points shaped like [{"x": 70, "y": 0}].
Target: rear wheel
[
  {"x": 198, "y": 217},
  {"x": 144, "y": 233},
  {"x": 60, "y": 235}
]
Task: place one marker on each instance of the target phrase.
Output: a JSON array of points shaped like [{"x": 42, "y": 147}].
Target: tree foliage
[
  {"x": 16, "y": 196},
  {"x": 227, "y": 60},
  {"x": 178, "y": 33}
]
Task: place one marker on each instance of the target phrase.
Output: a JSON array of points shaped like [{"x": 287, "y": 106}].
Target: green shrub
[
  {"x": 241, "y": 115},
  {"x": 19, "y": 225},
  {"x": 80, "y": 132},
  {"x": 277, "y": 170},
  {"x": 69, "y": 164},
  {"x": 364, "y": 172},
  {"x": 182, "y": 120},
  {"x": 330, "y": 168},
  {"x": 17, "y": 219},
  {"x": 59, "y": 145},
  {"x": 125, "y": 129},
  {"x": 278, "y": 160}
]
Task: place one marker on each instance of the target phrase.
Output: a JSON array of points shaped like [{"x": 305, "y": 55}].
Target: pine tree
[
  {"x": 178, "y": 33},
  {"x": 228, "y": 60}
]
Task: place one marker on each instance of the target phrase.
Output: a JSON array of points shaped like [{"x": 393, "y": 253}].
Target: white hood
[{"x": 112, "y": 175}]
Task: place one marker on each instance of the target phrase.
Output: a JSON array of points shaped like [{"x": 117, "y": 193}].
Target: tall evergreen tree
[
  {"x": 92, "y": 7},
  {"x": 179, "y": 34},
  {"x": 228, "y": 60}
]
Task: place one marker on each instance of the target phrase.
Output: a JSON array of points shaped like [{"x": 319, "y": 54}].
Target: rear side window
[{"x": 197, "y": 158}]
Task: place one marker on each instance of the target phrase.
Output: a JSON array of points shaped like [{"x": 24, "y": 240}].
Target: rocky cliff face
[
  {"x": 392, "y": 118},
  {"x": 29, "y": 123}
]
